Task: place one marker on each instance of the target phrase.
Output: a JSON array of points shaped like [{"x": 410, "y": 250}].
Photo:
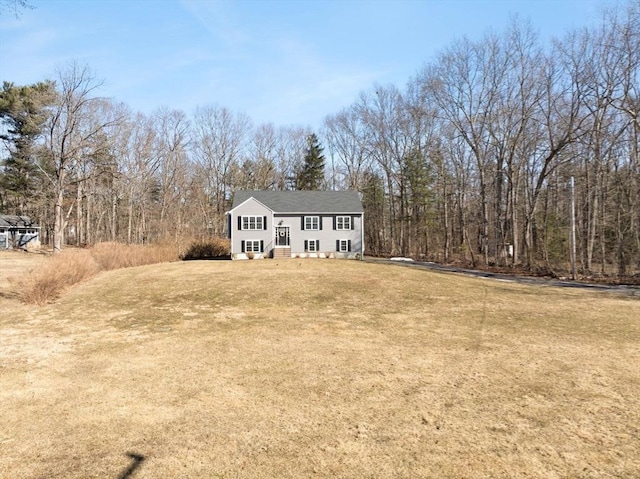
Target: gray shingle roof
[
  {"x": 304, "y": 201},
  {"x": 11, "y": 221}
]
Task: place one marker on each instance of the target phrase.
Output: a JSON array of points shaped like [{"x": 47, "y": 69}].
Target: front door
[{"x": 282, "y": 236}]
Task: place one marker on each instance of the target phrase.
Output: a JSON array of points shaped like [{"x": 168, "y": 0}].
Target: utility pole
[{"x": 573, "y": 231}]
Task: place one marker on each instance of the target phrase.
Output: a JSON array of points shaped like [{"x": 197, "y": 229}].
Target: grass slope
[{"x": 318, "y": 368}]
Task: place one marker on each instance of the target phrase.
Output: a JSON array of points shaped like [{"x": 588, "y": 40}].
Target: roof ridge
[{"x": 303, "y": 201}]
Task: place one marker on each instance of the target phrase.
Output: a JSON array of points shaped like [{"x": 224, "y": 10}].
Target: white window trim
[
  {"x": 247, "y": 227},
  {"x": 253, "y": 243},
  {"x": 314, "y": 248},
  {"x": 309, "y": 226},
  {"x": 346, "y": 221},
  {"x": 344, "y": 249}
]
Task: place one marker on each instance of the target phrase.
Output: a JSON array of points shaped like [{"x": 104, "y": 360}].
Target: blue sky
[{"x": 283, "y": 62}]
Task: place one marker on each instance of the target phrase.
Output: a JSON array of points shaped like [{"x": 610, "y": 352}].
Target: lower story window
[
  {"x": 312, "y": 246},
  {"x": 253, "y": 246},
  {"x": 343, "y": 246}
]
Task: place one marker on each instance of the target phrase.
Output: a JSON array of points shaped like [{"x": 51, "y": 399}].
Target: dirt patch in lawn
[{"x": 320, "y": 368}]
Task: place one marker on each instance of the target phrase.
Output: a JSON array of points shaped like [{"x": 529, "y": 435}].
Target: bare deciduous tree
[{"x": 72, "y": 134}]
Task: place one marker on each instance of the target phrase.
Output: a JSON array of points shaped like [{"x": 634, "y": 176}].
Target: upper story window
[
  {"x": 312, "y": 223},
  {"x": 343, "y": 222},
  {"x": 252, "y": 222}
]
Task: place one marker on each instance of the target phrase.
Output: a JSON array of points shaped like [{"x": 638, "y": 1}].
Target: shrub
[
  {"x": 55, "y": 276},
  {"x": 208, "y": 249},
  {"x": 73, "y": 266},
  {"x": 117, "y": 255}
]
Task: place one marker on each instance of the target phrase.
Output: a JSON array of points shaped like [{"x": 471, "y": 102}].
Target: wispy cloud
[
  {"x": 286, "y": 62},
  {"x": 217, "y": 19}
]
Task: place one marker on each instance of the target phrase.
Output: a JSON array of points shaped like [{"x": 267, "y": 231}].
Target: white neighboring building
[{"x": 18, "y": 232}]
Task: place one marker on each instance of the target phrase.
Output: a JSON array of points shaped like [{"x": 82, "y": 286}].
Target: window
[
  {"x": 343, "y": 222},
  {"x": 311, "y": 223},
  {"x": 311, "y": 246},
  {"x": 343, "y": 246},
  {"x": 252, "y": 222},
  {"x": 252, "y": 246}
]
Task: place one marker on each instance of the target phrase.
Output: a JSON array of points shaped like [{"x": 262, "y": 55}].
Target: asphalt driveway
[{"x": 628, "y": 290}]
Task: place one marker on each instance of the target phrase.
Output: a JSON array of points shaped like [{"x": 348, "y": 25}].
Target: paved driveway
[{"x": 621, "y": 289}]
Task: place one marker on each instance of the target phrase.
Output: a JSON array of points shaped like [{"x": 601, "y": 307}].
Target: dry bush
[
  {"x": 117, "y": 255},
  {"x": 59, "y": 273},
  {"x": 73, "y": 266},
  {"x": 207, "y": 249}
]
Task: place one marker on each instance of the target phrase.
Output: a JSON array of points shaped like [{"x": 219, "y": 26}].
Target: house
[
  {"x": 18, "y": 232},
  {"x": 290, "y": 224}
]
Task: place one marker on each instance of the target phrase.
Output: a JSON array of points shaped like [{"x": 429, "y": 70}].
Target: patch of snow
[{"x": 400, "y": 258}]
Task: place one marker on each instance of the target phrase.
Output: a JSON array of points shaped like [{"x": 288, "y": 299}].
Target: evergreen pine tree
[
  {"x": 23, "y": 112},
  {"x": 311, "y": 175}
]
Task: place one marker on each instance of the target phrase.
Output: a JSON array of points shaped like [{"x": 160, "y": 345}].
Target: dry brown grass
[
  {"x": 118, "y": 255},
  {"x": 15, "y": 263},
  {"x": 56, "y": 275},
  {"x": 319, "y": 368},
  {"x": 72, "y": 266}
]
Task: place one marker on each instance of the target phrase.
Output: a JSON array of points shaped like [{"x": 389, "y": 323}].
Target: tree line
[{"x": 471, "y": 161}]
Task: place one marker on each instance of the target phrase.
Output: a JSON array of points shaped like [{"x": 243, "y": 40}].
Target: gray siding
[
  {"x": 251, "y": 207},
  {"x": 328, "y": 235}
]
